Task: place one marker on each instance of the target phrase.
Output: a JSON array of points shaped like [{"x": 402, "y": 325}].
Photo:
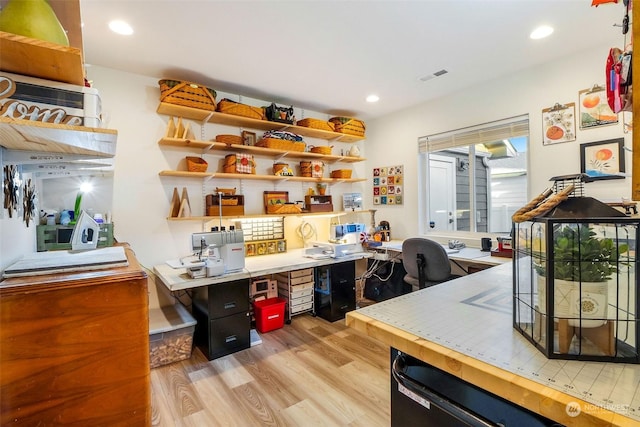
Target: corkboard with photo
[{"x": 388, "y": 185}]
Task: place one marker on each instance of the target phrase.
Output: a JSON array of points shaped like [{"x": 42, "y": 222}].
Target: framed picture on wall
[
  {"x": 594, "y": 108},
  {"x": 248, "y": 138},
  {"x": 603, "y": 159},
  {"x": 559, "y": 123}
]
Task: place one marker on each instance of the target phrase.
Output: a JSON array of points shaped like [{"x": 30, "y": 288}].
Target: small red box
[{"x": 269, "y": 314}]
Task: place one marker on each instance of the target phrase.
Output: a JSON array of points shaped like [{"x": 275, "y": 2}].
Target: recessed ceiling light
[
  {"x": 373, "y": 98},
  {"x": 541, "y": 32},
  {"x": 121, "y": 27}
]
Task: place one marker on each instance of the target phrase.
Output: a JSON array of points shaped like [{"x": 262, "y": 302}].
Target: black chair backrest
[{"x": 435, "y": 256}]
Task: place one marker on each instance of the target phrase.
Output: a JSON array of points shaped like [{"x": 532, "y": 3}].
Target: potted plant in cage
[{"x": 583, "y": 263}]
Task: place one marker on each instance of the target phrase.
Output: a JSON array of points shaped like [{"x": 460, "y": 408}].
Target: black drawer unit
[
  {"x": 224, "y": 322},
  {"x": 335, "y": 290}
]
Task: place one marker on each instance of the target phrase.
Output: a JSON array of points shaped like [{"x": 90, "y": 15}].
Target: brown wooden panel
[{"x": 76, "y": 355}]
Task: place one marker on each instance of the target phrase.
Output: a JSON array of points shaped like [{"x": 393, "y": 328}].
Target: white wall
[{"x": 393, "y": 139}]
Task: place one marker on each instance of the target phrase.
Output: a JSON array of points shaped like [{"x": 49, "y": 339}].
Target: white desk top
[
  {"x": 176, "y": 279},
  {"x": 465, "y": 254}
]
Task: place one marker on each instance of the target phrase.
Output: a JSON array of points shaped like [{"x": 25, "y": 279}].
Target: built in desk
[{"x": 464, "y": 327}]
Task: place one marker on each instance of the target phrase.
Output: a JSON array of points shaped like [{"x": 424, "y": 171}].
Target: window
[{"x": 474, "y": 179}]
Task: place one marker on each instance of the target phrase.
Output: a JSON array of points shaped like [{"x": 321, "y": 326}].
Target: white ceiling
[{"x": 327, "y": 56}]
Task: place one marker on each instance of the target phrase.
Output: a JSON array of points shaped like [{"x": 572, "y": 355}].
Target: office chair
[{"x": 426, "y": 263}]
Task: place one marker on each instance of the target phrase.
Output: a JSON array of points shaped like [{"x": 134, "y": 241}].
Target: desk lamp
[{"x": 85, "y": 187}]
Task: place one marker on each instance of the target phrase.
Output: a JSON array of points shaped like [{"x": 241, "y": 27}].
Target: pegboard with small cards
[{"x": 388, "y": 185}]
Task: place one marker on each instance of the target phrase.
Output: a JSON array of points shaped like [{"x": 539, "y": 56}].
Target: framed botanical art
[
  {"x": 559, "y": 123},
  {"x": 603, "y": 159},
  {"x": 594, "y": 108}
]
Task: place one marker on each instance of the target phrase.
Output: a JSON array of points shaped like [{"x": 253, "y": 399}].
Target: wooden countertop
[{"x": 464, "y": 327}]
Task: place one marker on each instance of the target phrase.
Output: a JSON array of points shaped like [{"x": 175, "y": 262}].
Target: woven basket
[
  {"x": 228, "y": 106},
  {"x": 322, "y": 149},
  {"x": 196, "y": 164},
  {"x": 226, "y": 191},
  {"x": 229, "y": 202},
  {"x": 281, "y": 144},
  {"x": 317, "y": 124},
  {"x": 305, "y": 169},
  {"x": 229, "y": 139},
  {"x": 348, "y": 125},
  {"x": 287, "y": 208},
  {"x": 277, "y": 167},
  {"x": 187, "y": 94},
  {"x": 341, "y": 173},
  {"x": 230, "y": 165}
]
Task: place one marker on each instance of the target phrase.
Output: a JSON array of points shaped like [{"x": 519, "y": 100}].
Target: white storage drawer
[{"x": 297, "y": 288}]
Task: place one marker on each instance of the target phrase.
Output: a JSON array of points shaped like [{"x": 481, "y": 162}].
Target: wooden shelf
[
  {"x": 42, "y": 59},
  {"x": 27, "y": 135},
  {"x": 213, "y": 218},
  {"x": 205, "y": 146},
  {"x": 222, "y": 175},
  {"x": 246, "y": 122}
]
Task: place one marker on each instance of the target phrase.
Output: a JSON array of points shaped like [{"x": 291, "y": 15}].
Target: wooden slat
[{"x": 42, "y": 59}]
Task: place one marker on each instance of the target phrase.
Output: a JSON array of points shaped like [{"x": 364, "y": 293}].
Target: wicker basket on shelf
[
  {"x": 316, "y": 124},
  {"x": 239, "y": 163},
  {"x": 228, "y": 106},
  {"x": 226, "y": 191},
  {"x": 196, "y": 164},
  {"x": 348, "y": 125},
  {"x": 229, "y": 139},
  {"x": 322, "y": 149},
  {"x": 281, "y": 144},
  {"x": 187, "y": 94},
  {"x": 341, "y": 173}
]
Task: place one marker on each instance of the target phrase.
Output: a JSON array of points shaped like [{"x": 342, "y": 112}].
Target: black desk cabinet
[
  {"x": 223, "y": 315},
  {"x": 335, "y": 290}
]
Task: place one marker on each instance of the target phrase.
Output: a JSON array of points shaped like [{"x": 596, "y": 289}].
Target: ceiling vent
[{"x": 433, "y": 76}]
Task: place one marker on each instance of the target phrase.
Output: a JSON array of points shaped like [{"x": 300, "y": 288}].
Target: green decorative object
[{"x": 33, "y": 18}]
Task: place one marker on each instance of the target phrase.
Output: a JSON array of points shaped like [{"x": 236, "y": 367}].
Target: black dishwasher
[{"x": 426, "y": 396}]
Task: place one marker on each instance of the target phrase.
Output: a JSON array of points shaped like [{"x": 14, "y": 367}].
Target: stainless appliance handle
[{"x": 451, "y": 408}]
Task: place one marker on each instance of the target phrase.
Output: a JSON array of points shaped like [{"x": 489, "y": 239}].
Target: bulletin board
[{"x": 388, "y": 185}]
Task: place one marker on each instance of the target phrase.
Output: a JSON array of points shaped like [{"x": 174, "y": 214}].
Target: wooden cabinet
[{"x": 75, "y": 348}]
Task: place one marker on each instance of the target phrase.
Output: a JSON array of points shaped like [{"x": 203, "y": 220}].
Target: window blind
[{"x": 480, "y": 134}]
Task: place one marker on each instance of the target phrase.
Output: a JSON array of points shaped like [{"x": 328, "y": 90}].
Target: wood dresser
[{"x": 74, "y": 348}]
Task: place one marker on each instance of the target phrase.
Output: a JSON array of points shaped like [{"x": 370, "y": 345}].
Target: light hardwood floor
[{"x": 308, "y": 373}]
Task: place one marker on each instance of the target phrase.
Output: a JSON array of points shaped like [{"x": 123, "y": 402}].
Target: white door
[{"x": 442, "y": 195}]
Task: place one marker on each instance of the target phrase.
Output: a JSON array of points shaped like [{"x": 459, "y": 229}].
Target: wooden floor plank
[{"x": 311, "y": 372}]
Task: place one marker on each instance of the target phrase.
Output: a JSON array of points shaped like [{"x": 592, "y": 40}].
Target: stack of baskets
[
  {"x": 312, "y": 169},
  {"x": 187, "y": 94},
  {"x": 349, "y": 126},
  {"x": 239, "y": 163}
]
